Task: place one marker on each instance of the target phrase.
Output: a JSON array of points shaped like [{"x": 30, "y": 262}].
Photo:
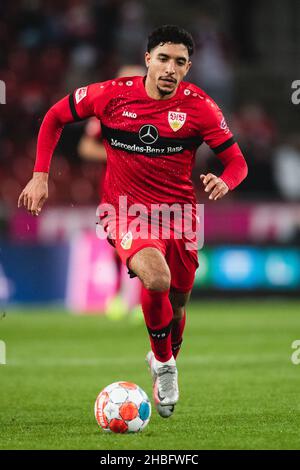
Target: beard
[{"x": 164, "y": 92}]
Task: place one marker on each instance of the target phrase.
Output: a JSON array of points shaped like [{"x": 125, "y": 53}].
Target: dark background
[{"x": 247, "y": 56}]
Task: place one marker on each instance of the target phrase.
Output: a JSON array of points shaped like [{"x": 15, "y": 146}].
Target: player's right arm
[{"x": 81, "y": 104}]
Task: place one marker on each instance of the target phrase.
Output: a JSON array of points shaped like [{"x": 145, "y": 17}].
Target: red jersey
[{"x": 151, "y": 144}]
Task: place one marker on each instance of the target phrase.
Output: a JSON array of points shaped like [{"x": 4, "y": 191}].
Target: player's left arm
[
  {"x": 218, "y": 136},
  {"x": 235, "y": 171}
]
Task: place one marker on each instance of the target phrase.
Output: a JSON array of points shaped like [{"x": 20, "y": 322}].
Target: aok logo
[
  {"x": 2, "y": 352},
  {"x": 2, "y": 92}
]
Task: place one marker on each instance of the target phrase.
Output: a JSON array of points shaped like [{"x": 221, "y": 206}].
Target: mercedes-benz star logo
[{"x": 148, "y": 134}]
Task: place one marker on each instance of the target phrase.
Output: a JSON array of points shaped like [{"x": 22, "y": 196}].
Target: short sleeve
[
  {"x": 89, "y": 100},
  {"x": 214, "y": 129}
]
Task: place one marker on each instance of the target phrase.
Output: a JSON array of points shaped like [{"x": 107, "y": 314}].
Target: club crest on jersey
[
  {"x": 176, "y": 120},
  {"x": 126, "y": 241}
]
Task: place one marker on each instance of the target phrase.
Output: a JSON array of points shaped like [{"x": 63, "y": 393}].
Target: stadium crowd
[{"x": 48, "y": 48}]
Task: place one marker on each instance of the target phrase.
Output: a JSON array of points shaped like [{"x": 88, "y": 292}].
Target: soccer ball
[{"x": 122, "y": 407}]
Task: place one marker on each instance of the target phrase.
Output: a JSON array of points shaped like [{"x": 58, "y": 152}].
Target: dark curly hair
[{"x": 170, "y": 33}]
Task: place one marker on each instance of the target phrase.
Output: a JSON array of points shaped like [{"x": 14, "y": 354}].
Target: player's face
[{"x": 167, "y": 65}]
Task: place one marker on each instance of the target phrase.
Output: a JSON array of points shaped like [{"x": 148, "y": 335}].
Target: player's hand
[
  {"x": 214, "y": 185},
  {"x": 35, "y": 193}
]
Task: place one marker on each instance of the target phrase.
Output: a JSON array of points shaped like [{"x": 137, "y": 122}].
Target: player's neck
[{"x": 153, "y": 92}]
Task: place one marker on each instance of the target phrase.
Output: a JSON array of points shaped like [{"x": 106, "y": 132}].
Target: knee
[
  {"x": 157, "y": 281},
  {"x": 178, "y": 313}
]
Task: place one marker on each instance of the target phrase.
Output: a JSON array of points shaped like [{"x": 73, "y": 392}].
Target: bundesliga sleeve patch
[{"x": 80, "y": 94}]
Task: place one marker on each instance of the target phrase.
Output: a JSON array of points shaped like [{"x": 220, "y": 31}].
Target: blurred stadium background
[
  {"x": 246, "y": 59},
  {"x": 239, "y": 387}
]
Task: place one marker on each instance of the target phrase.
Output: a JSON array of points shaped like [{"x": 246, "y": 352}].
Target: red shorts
[{"x": 182, "y": 263}]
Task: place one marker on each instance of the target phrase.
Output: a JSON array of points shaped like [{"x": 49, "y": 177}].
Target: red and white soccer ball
[{"x": 122, "y": 407}]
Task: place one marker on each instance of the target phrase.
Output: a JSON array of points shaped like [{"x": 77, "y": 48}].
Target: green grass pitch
[{"x": 238, "y": 386}]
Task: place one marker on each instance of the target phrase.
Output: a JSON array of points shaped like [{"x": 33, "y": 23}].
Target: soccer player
[{"x": 151, "y": 127}]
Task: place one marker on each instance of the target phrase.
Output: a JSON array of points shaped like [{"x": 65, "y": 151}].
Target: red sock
[
  {"x": 176, "y": 334},
  {"x": 158, "y": 315}
]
